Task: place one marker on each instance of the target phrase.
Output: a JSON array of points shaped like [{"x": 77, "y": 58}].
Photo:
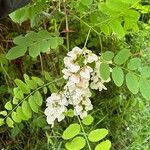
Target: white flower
[
  {"x": 85, "y": 72},
  {"x": 90, "y": 56},
  {"x": 56, "y": 107},
  {"x": 66, "y": 73},
  {"x": 75, "y": 78},
  {"x": 74, "y": 68},
  {"x": 74, "y": 53}
]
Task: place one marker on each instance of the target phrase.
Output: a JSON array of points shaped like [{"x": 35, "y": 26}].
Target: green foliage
[
  {"x": 117, "y": 12},
  {"x": 8, "y": 106},
  {"x": 97, "y": 135},
  {"x": 132, "y": 82},
  {"x": 105, "y": 145},
  {"x": 122, "y": 56},
  {"x": 76, "y": 144},
  {"x": 118, "y": 76},
  {"x": 35, "y": 43},
  {"x": 71, "y": 131},
  {"x": 134, "y": 63},
  {"x": 104, "y": 71},
  {"x": 31, "y": 12},
  {"x": 88, "y": 120}
]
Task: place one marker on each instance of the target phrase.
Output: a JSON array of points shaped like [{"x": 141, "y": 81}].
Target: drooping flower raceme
[{"x": 80, "y": 77}]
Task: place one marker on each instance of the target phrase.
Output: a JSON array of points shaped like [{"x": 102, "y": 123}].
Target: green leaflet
[
  {"x": 1, "y": 121},
  {"x": 71, "y": 131},
  {"x": 145, "y": 88},
  {"x": 22, "y": 86},
  {"x": 8, "y": 106},
  {"x": 145, "y": 71},
  {"x": 18, "y": 93},
  {"x": 108, "y": 56},
  {"x": 118, "y": 76},
  {"x": 38, "y": 98},
  {"x": 9, "y": 122},
  {"x": 15, "y": 117},
  {"x": 76, "y": 144},
  {"x": 26, "y": 109},
  {"x": 122, "y": 56},
  {"x": 30, "y": 83},
  {"x": 134, "y": 63},
  {"x": 132, "y": 82},
  {"x": 117, "y": 28},
  {"x": 4, "y": 113},
  {"x": 97, "y": 135},
  {"x": 32, "y": 103},
  {"x": 37, "y": 80},
  {"x": 104, "y": 71},
  {"x": 20, "y": 114},
  {"x": 105, "y": 145},
  {"x": 88, "y": 120}
]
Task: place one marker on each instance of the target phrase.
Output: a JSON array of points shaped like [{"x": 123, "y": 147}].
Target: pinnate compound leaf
[
  {"x": 105, "y": 145},
  {"x": 76, "y": 144},
  {"x": 97, "y": 135},
  {"x": 71, "y": 131},
  {"x": 35, "y": 43},
  {"x": 132, "y": 82},
  {"x": 118, "y": 76},
  {"x": 122, "y": 56}
]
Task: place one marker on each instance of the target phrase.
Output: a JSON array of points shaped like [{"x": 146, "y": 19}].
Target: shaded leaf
[
  {"x": 132, "y": 82},
  {"x": 118, "y": 76},
  {"x": 104, "y": 71}
]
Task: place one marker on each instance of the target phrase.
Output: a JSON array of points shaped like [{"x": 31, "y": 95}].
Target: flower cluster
[
  {"x": 77, "y": 72},
  {"x": 56, "y": 106},
  {"x": 80, "y": 77}
]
